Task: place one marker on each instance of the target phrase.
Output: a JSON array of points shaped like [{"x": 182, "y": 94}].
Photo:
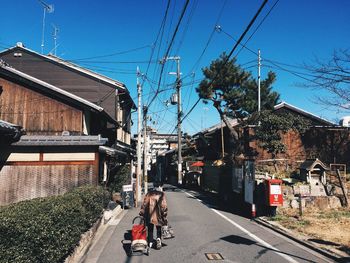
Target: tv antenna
[
  {"x": 49, "y": 9},
  {"x": 55, "y": 36}
]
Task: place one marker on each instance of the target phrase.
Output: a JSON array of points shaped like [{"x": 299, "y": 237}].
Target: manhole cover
[{"x": 214, "y": 256}]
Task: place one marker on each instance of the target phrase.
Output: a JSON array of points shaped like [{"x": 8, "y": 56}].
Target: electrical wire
[
  {"x": 116, "y": 62},
  {"x": 277, "y": 64},
  {"x": 195, "y": 66},
  {"x": 230, "y": 54},
  {"x": 186, "y": 27},
  {"x": 168, "y": 50},
  {"x": 160, "y": 34},
  {"x": 111, "y": 54},
  {"x": 256, "y": 29}
]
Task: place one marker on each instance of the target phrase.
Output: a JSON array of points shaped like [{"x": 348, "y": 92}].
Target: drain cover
[{"x": 214, "y": 256}]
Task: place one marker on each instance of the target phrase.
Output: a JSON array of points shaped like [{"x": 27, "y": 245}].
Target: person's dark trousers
[{"x": 150, "y": 232}]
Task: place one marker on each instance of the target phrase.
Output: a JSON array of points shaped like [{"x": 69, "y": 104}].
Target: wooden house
[
  {"x": 324, "y": 140},
  {"x": 299, "y": 147},
  {"x": 68, "y": 141},
  {"x": 110, "y": 95}
]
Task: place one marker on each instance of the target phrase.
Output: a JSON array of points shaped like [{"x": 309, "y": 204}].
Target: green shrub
[
  {"x": 48, "y": 229},
  {"x": 118, "y": 178}
]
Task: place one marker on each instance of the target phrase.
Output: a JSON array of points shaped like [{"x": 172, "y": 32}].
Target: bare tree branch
[{"x": 332, "y": 76}]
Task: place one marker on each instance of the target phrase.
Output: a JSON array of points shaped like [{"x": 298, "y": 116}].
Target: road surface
[{"x": 204, "y": 233}]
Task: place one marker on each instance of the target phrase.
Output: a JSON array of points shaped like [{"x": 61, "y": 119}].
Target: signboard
[
  {"x": 127, "y": 187},
  {"x": 275, "y": 189},
  {"x": 128, "y": 195},
  {"x": 237, "y": 179},
  {"x": 249, "y": 181}
]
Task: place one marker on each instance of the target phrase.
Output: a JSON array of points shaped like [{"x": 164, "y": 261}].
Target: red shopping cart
[{"x": 139, "y": 244}]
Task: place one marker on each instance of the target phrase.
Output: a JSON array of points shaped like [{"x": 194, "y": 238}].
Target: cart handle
[{"x": 142, "y": 220}]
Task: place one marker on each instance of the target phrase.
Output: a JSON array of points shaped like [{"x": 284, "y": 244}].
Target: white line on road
[{"x": 277, "y": 251}]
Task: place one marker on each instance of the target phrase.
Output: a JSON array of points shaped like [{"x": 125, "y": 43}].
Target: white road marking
[{"x": 277, "y": 251}]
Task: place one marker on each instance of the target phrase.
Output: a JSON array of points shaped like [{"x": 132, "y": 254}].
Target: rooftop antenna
[
  {"x": 55, "y": 33},
  {"x": 49, "y": 9}
]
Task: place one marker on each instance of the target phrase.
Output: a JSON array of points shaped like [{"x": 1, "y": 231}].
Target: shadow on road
[
  {"x": 170, "y": 188},
  {"x": 234, "y": 203},
  {"x": 238, "y": 240},
  {"x": 127, "y": 242},
  {"x": 245, "y": 241},
  {"x": 345, "y": 249},
  {"x": 324, "y": 242}
]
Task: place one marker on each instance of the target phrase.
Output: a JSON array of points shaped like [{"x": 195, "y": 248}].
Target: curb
[
  {"x": 285, "y": 232},
  {"x": 96, "y": 230}
]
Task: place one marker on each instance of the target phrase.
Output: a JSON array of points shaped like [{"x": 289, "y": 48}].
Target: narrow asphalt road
[{"x": 203, "y": 231}]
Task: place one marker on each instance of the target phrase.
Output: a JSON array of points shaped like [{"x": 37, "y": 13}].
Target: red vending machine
[{"x": 274, "y": 192}]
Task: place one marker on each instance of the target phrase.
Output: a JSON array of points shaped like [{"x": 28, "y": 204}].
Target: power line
[
  {"x": 261, "y": 22},
  {"x": 231, "y": 52},
  {"x": 168, "y": 50},
  {"x": 203, "y": 52},
  {"x": 186, "y": 27},
  {"x": 126, "y": 72},
  {"x": 116, "y": 62},
  {"x": 111, "y": 54},
  {"x": 161, "y": 34},
  {"x": 277, "y": 64},
  {"x": 208, "y": 42},
  {"x": 296, "y": 74}
]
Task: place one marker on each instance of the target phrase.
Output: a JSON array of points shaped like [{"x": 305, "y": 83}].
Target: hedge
[
  {"x": 119, "y": 177},
  {"x": 48, "y": 229}
]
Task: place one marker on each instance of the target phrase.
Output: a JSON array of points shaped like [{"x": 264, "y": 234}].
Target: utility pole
[
  {"x": 259, "y": 64},
  {"x": 145, "y": 178},
  {"x": 138, "y": 153},
  {"x": 179, "y": 115},
  {"x": 222, "y": 140}
]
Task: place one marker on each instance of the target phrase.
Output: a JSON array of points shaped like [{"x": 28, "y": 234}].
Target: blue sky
[{"x": 118, "y": 36}]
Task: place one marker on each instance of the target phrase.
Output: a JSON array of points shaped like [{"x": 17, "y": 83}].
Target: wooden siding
[
  {"x": 36, "y": 113},
  {"x": 21, "y": 182},
  {"x": 80, "y": 84},
  {"x": 295, "y": 150}
]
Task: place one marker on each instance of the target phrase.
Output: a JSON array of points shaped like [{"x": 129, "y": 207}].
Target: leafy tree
[
  {"x": 271, "y": 128},
  {"x": 233, "y": 92}
]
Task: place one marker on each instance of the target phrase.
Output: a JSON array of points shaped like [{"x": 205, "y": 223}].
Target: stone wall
[{"x": 291, "y": 198}]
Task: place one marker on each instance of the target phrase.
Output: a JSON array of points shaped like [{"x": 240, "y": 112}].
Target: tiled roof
[{"x": 40, "y": 140}]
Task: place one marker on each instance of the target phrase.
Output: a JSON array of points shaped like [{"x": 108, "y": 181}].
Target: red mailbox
[{"x": 274, "y": 192}]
